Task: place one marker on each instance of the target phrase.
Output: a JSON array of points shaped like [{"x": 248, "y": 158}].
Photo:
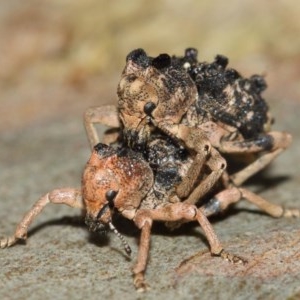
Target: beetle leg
[
  {"x": 174, "y": 212},
  {"x": 217, "y": 165},
  {"x": 143, "y": 253},
  {"x": 68, "y": 196},
  {"x": 232, "y": 195},
  {"x": 273, "y": 142},
  {"x": 106, "y": 115},
  {"x": 271, "y": 209},
  {"x": 196, "y": 141},
  {"x": 221, "y": 201},
  {"x": 186, "y": 185}
]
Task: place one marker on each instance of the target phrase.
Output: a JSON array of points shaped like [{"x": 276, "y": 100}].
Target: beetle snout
[
  {"x": 95, "y": 226},
  {"x": 99, "y": 222}
]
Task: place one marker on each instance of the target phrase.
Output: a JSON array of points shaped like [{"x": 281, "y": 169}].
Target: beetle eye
[
  {"x": 110, "y": 196},
  {"x": 131, "y": 78},
  {"x": 149, "y": 107}
]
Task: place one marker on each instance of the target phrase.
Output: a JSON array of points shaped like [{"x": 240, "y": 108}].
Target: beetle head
[
  {"x": 113, "y": 180},
  {"x": 152, "y": 89}
]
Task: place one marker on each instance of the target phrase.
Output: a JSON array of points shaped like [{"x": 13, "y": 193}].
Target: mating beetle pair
[{"x": 175, "y": 121}]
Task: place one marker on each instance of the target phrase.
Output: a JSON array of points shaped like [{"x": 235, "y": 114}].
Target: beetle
[
  {"x": 121, "y": 180},
  {"x": 203, "y": 106},
  {"x": 169, "y": 156}
]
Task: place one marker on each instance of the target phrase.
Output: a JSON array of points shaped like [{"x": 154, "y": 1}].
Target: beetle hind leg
[
  {"x": 270, "y": 145},
  {"x": 229, "y": 196}
]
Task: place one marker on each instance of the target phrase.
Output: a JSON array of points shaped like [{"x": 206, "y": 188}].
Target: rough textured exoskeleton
[
  {"x": 120, "y": 180},
  {"x": 206, "y": 108},
  {"x": 176, "y": 117}
]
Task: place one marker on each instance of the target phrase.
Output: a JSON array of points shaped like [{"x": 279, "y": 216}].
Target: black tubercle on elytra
[
  {"x": 231, "y": 75},
  {"x": 191, "y": 53},
  {"x": 221, "y": 61},
  {"x": 161, "y": 61},
  {"x": 139, "y": 56},
  {"x": 258, "y": 83}
]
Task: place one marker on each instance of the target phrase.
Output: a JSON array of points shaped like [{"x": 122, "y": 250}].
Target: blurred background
[{"x": 59, "y": 57}]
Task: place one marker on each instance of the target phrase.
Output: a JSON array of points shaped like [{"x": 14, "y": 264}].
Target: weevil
[
  {"x": 121, "y": 181},
  {"x": 161, "y": 179},
  {"x": 210, "y": 109}
]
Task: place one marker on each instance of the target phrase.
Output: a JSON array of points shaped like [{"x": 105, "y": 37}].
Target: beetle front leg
[
  {"x": 185, "y": 212},
  {"x": 106, "y": 115},
  {"x": 68, "y": 196},
  {"x": 174, "y": 212},
  {"x": 217, "y": 165},
  {"x": 196, "y": 141},
  {"x": 145, "y": 224}
]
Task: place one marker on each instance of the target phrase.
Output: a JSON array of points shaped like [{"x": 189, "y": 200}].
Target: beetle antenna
[{"x": 125, "y": 244}]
